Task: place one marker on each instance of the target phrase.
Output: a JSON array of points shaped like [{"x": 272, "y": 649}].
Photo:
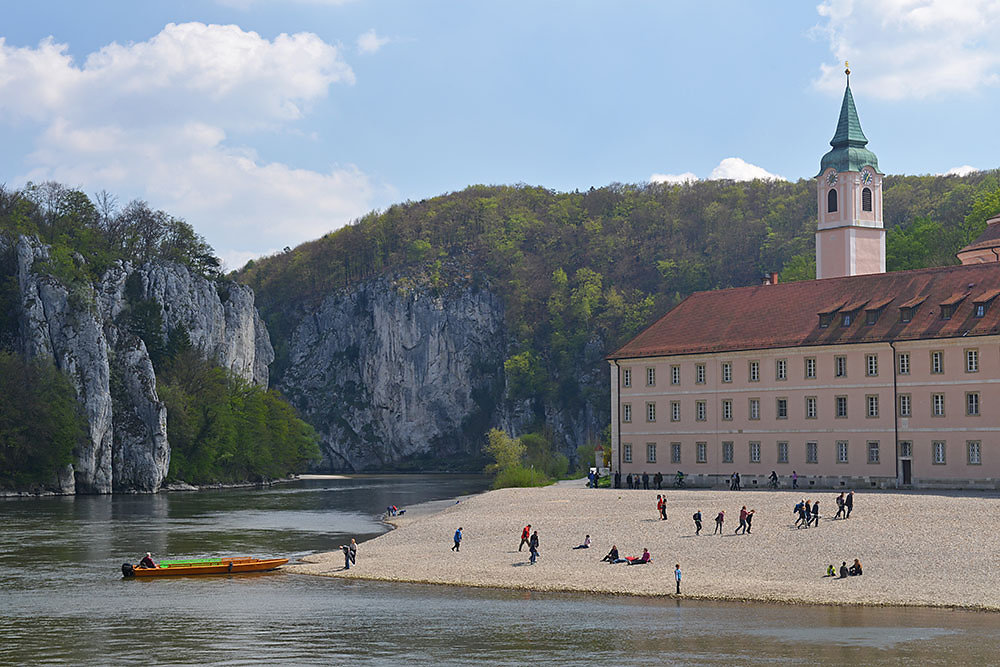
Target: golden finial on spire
[{"x": 847, "y": 68}]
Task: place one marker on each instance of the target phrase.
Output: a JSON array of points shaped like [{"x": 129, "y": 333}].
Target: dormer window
[
  {"x": 980, "y": 309},
  {"x": 908, "y": 309},
  {"x": 946, "y": 312},
  {"x": 825, "y": 319},
  {"x": 873, "y": 310},
  {"x": 949, "y": 305},
  {"x": 871, "y": 316},
  {"x": 905, "y": 314},
  {"x": 981, "y": 303},
  {"x": 846, "y": 319}
]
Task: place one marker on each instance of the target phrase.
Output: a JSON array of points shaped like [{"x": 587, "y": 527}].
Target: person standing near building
[
  {"x": 719, "y": 519},
  {"x": 458, "y": 539},
  {"x": 628, "y": 480},
  {"x": 533, "y": 546},
  {"x": 795, "y": 480},
  {"x": 658, "y": 481},
  {"x": 849, "y": 503},
  {"x": 645, "y": 481},
  {"x": 677, "y": 577},
  {"x": 525, "y": 534},
  {"x": 618, "y": 479},
  {"x": 697, "y": 522}
]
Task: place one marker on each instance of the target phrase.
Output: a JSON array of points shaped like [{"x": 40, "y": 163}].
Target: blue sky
[{"x": 267, "y": 123}]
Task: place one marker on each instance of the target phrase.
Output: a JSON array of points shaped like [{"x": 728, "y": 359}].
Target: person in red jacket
[{"x": 525, "y": 535}]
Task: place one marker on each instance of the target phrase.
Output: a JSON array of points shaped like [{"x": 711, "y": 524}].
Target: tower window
[
  {"x": 831, "y": 201},
  {"x": 866, "y": 199}
]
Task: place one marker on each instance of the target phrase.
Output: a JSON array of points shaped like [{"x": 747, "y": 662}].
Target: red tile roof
[{"x": 787, "y": 315}]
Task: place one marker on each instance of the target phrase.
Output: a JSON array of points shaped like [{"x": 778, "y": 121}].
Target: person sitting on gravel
[
  {"x": 855, "y": 570},
  {"x": 586, "y": 543},
  {"x": 612, "y": 555},
  {"x": 843, "y": 570},
  {"x": 831, "y": 571},
  {"x": 640, "y": 560}
]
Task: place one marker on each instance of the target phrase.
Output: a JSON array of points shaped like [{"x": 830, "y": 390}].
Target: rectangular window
[
  {"x": 975, "y": 451},
  {"x": 727, "y": 452},
  {"x": 727, "y": 410},
  {"x": 700, "y": 412},
  {"x": 754, "y": 371},
  {"x": 905, "y": 448},
  {"x": 972, "y": 404},
  {"x": 840, "y": 407},
  {"x": 627, "y": 412},
  {"x": 873, "y": 451},
  {"x": 871, "y": 316},
  {"x": 650, "y": 377},
  {"x": 675, "y": 452},
  {"x": 904, "y": 363},
  {"x": 701, "y": 449},
  {"x": 651, "y": 452},
  {"x": 727, "y": 371},
  {"x": 905, "y": 314},
  {"x": 872, "y": 401},
  {"x": 937, "y": 405},
  {"x": 675, "y": 411},
  {"x": 871, "y": 365},
  {"x": 754, "y": 408},
  {"x": 937, "y": 361},
  {"x": 782, "y": 452},
  {"x": 812, "y": 452},
  {"x": 810, "y": 407},
  {"x": 699, "y": 373},
  {"x": 946, "y": 312},
  {"x": 781, "y": 408},
  {"x": 972, "y": 361},
  {"x": 840, "y": 367},
  {"x": 675, "y": 375},
  {"x": 841, "y": 451},
  {"x": 980, "y": 309},
  {"x": 627, "y": 452},
  {"x": 905, "y": 405},
  {"x": 846, "y": 319},
  {"x": 810, "y": 368},
  {"x": 627, "y": 377},
  {"x": 651, "y": 412},
  {"x": 754, "y": 452},
  {"x": 937, "y": 452},
  {"x": 781, "y": 369}
]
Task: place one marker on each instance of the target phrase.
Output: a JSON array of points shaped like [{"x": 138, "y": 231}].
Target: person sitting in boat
[{"x": 147, "y": 562}]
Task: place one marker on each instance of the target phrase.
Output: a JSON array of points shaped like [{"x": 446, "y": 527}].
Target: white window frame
[
  {"x": 675, "y": 411},
  {"x": 810, "y": 365},
  {"x": 727, "y": 371},
  {"x": 972, "y": 360},
  {"x": 627, "y": 413},
  {"x": 675, "y": 374},
  {"x": 871, "y": 406},
  {"x": 781, "y": 408},
  {"x": 937, "y": 362},
  {"x": 812, "y": 452},
  {"x": 973, "y": 408},
  {"x": 754, "y": 451},
  {"x": 974, "y": 452},
  {"x": 837, "y": 402},
  {"x": 873, "y": 451},
  {"x": 701, "y": 452},
  {"x": 903, "y": 361},
  {"x": 781, "y": 369},
  {"x": 905, "y": 405},
  {"x": 843, "y": 449},
  {"x": 650, "y": 376},
  {"x": 700, "y": 411},
  {"x": 939, "y": 452},
  {"x": 753, "y": 410},
  {"x": 871, "y": 365},
  {"x": 811, "y": 407},
  {"x": 675, "y": 452},
  {"x": 627, "y": 452},
  {"x": 727, "y": 451},
  {"x": 753, "y": 371},
  {"x": 840, "y": 366},
  {"x": 626, "y": 377},
  {"x": 650, "y": 452},
  {"x": 727, "y": 409},
  {"x": 699, "y": 373},
  {"x": 937, "y": 405},
  {"x": 782, "y": 452},
  {"x": 651, "y": 412}
]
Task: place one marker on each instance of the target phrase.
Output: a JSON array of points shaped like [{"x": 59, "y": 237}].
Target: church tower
[{"x": 850, "y": 239}]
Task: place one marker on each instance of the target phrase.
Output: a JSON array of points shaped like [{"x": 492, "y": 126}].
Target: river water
[{"x": 63, "y": 601}]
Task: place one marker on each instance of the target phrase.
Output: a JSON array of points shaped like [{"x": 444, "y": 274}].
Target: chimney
[{"x": 774, "y": 277}]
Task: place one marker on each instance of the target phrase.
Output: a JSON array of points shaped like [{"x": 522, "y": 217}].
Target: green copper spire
[{"x": 849, "y": 152}]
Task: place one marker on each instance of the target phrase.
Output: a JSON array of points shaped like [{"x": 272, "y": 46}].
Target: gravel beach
[{"x": 928, "y": 549}]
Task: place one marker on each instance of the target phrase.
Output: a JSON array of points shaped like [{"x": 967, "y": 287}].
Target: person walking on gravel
[
  {"x": 840, "y": 506},
  {"x": 697, "y": 522},
  {"x": 525, "y": 534},
  {"x": 719, "y": 518},
  {"x": 750, "y": 520},
  {"x": 533, "y": 546},
  {"x": 743, "y": 520},
  {"x": 661, "y": 507},
  {"x": 849, "y": 503},
  {"x": 458, "y": 539},
  {"x": 815, "y": 514}
]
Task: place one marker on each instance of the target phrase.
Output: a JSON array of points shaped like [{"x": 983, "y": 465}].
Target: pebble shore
[{"x": 924, "y": 549}]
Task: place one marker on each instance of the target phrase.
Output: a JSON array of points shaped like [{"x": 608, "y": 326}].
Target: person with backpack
[
  {"x": 697, "y": 522},
  {"x": 719, "y": 519}
]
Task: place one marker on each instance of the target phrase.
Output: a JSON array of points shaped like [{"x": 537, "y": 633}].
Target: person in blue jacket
[{"x": 458, "y": 539}]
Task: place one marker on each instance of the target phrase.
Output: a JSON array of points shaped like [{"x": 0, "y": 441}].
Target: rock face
[
  {"x": 387, "y": 370},
  {"x": 79, "y": 330}
]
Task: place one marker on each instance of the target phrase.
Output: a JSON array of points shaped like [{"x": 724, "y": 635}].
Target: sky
[{"x": 265, "y": 124}]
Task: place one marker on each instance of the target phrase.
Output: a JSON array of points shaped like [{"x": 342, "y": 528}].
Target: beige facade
[{"x": 845, "y": 414}]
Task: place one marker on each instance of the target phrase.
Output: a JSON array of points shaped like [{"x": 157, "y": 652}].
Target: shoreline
[{"x": 897, "y": 537}]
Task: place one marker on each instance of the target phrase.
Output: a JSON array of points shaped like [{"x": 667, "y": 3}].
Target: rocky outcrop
[
  {"x": 389, "y": 370},
  {"x": 79, "y": 329}
]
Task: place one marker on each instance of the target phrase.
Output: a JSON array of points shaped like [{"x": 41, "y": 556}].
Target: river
[{"x": 63, "y": 601}]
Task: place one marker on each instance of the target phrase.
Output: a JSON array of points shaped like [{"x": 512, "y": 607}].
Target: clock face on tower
[
  {"x": 831, "y": 178},
  {"x": 866, "y": 177}
]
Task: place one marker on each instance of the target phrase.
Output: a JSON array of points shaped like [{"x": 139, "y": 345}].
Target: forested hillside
[
  {"x": 591, "y": 268},
  {"x": 221, "y": 427}
]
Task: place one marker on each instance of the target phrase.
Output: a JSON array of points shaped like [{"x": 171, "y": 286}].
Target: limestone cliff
[
  {"x": 79, "y": 327},
  {"x": 388, "y": 370}
]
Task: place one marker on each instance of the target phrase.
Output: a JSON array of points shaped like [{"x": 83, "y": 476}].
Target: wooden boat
[{"x": 227, "y": 565}]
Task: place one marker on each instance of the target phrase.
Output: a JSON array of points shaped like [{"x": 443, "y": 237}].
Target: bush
[{"x": 519, "y": 476}]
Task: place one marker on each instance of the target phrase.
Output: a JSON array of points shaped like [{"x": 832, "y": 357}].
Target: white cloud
[
  {"x": 905, "y": 49},
  {"x": 673, "y": 179},
  {"x": 369, "y": 42},
  {"x": 151, "y": 119},
  {"x": 964, "y": 170},
  {"x": 731, "y": 168},
  {"x": 736, "y": 169}
]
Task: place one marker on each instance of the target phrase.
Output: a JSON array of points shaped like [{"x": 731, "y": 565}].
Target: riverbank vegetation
[{"x": 525, "y": 461}]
